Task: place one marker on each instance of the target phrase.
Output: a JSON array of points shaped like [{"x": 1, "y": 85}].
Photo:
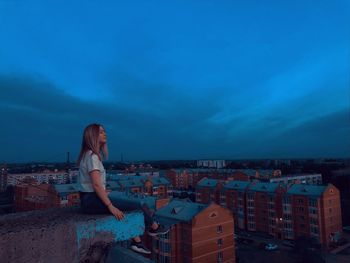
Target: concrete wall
[{"x": 63, "y": 235}]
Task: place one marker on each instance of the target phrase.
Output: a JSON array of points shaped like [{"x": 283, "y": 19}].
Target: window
[
  {"x": 219, "y": 229},
  {"x": 220, "y": 256},
  {"x": 219, "y": 242},
  {"x": 286, "y": 200},
  {"x": 313, "y": 202},
  {"x": 313, "y": 221},
  {"x": 314, "y": 230},
  {"x": 300, "y": 201}
]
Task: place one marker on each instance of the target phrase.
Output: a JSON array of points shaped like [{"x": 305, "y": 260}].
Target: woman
[{"x": 95, "y": 199}]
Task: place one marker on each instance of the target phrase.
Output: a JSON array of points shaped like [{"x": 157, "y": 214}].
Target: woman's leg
[
  {"x": 124, "y": 204},
  {"x": 92, "y": 204}
]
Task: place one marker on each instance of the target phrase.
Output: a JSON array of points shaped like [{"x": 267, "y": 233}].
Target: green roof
[
  {"x": 180, "y": 210},
  {"x": 64, "y": 189},
  {"x": 306, "y": 189},
  {"x": 131, "y": 183},
  {"x": 263, "y": 187},
  {"x": 159, "y": 181},
  {"x": 206, "y": 182},
  {"x": 236, "y": 185}
]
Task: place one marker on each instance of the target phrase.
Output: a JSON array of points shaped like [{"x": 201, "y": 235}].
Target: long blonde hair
[{"x": 91, "y": 142}]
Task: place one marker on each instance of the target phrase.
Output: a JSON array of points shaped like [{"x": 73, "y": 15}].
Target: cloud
[
  {"x": 152, "y": 119},
  {"x": 324, "y": 136},
  {"x": 42, "y": 121}
]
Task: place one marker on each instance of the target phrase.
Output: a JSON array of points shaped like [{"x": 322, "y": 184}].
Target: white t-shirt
[{"x": 90, "y": 162}]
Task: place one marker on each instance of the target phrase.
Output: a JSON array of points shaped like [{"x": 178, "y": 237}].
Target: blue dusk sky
[{"x": 175, "y": 79}]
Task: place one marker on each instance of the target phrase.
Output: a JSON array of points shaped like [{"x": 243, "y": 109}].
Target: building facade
[
  {"x": 199, "y": 233},
  {"x": 283, "y": 212},
  {"x": 47, "y": 176},
  {"x": 298, "y": 179},
  {"x": 312, "y": 211},
  {"x": 153, "y": 186},
  {"x": 34, "y": 196},
  {"x": 209, "y": 190},
  {"x": 3, "y": 178},
  {"x": 218, "y": 164}
]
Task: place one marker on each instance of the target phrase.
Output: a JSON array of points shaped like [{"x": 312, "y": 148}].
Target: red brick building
[
  {"x": 208, "y": 190},
  {"x": 233, "y": 196},
  {"x": 314, "y": 211},
  {"x": 199, "y": 233},
  {"x": 179, "y": 178},
  {"x": 150, "y": 185},
  {"x": 301, "y": 210},
  {"x": 264, "y": 208},
  {"x": 33, "y": 196}
]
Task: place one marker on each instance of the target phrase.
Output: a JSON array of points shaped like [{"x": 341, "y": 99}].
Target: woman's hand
[{"x": 116, "y": 212}]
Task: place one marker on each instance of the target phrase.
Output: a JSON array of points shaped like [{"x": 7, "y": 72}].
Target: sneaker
[
  {"x": 139, "y": 248},
  {"x": 161, "y": 230}
]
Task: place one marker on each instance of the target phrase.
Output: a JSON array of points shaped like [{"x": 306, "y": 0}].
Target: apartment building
[
  {"x": 218, "y": 164},
  {"x": 264, "y": 208},
  {"x": 179, "y": 178},
  {"x": 315, "y": 179},
  {"x": 153, "y": 186},
  {"x": 47, "y": 176},
  {"x": 199, "y": 233},
  {"x": 208, "y": 190},
  {"x": 275, "y": 209},
  {"x": 3, "y": 177},
  {"x": 158, "y": 186},
  {"x": 310, "y": 210},
  {"x": 189, "y": 178},
  {"x": 34, "y": 196},
  {"x": 233, "y": 196}
]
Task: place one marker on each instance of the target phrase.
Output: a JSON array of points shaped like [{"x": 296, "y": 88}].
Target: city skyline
[{"x": 185, "y": 80}]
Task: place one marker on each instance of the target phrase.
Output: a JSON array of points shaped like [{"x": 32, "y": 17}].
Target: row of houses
[
  {"x": 198, "y": 232},
  {"x": 32, "y": 195},
  {"x": 284, "y": 212},
  {"x": 188, "y": 178},
  {"x": 149, "y": 185}
]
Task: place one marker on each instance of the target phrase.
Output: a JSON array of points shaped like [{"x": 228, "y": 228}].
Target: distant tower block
[
  {"x": 211, "y": 163},
  {"x": 3, "y": 177}
]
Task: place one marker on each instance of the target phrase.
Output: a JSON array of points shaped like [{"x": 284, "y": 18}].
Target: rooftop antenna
[{"x": 68, "y": 162}]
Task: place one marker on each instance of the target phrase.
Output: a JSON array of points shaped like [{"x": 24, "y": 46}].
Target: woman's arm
[{"x": 102, "y": 194}]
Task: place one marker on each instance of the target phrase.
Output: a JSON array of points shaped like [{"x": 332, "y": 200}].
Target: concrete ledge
[{"x": 62, "y": 235}]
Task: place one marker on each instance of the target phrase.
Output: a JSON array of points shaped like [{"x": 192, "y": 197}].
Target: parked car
[
  {"x": 288, "y": 243},
  {"x": 271, "y": 246},
  {"x": 246, "y": 240}
]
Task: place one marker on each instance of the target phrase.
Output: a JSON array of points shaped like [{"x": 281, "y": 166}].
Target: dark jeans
[{"x": 92, "y": 204}]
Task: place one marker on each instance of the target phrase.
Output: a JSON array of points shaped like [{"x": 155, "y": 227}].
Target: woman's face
[{"x": 102, "y": 136}]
